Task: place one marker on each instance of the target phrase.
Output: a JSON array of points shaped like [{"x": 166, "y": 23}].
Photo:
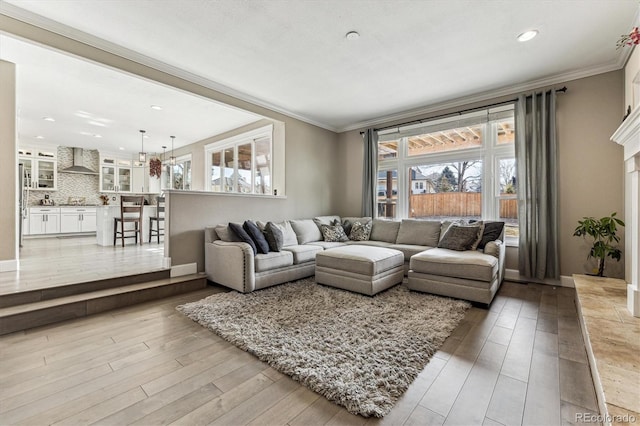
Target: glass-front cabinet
[
  {"x": 115, "y": 174},
  {"x": 40, "y": 168}
]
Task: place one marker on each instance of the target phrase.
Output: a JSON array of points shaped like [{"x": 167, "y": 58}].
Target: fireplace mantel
[{"x": 628, "y": 135}]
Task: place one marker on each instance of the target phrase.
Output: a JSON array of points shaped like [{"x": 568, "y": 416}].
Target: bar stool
[
  {"x": 157, "y": 219},
  {"x": 130, "y": 212}
]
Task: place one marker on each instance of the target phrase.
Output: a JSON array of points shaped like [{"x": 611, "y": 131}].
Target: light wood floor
[
  {"x": 521, "y": 362},
  {"x": 54, "y": 261}
]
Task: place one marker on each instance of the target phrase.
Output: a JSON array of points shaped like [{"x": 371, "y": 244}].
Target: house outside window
[
  {"x": 177, "y": 176},
  {"x": 241, "y": 164},
  {"x": 449, "y": 169}
]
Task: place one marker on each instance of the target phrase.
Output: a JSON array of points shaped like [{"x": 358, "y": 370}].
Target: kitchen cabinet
[
  {"x": 115, "y": 174},
  {"x": 140, "y": 178},
  {"x": 44, "y": 220},
  {"x": 77, "y": 219},
  {"x": 40, "y": 169}
]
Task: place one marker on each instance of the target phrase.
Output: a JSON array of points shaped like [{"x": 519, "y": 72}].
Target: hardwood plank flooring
[
  {"x": 520, "y": 362},
  {"x": 52, "y": 261}
]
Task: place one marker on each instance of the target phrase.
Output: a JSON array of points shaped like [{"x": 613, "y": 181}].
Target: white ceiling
[
  {"x": 292, "y": 55},
  {"x": 87, "y": 100}
]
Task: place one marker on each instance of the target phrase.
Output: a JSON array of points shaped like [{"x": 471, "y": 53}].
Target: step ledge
[{"x": 131, "y": 288}]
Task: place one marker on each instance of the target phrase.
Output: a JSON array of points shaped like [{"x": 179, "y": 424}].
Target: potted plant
[{"x": 603, "y": 231}]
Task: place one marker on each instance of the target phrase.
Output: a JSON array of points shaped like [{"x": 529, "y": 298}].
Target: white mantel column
[{"x": 628, "y": 135}]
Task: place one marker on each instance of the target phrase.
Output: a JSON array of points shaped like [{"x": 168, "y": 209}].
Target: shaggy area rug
[{"x": 358, "y": 351}]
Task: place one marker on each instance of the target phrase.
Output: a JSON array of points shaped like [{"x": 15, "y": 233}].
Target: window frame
[
  {"x": 167, "y": 165},
  {"x": 490, "y": 153},
  {"x": 233, "y": 142}
]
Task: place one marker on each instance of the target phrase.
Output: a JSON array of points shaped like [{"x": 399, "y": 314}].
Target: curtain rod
[{"x": 453, "y": 114}]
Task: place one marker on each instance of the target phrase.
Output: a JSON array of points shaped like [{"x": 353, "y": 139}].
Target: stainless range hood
[{"x": 78, "y": 164}]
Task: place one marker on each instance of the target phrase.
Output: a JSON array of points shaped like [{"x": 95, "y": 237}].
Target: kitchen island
[{"x": 104, "y": 223}]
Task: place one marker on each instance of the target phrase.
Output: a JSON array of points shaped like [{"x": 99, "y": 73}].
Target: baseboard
[
  {"x": 186, "y": 269},
  {"x": 514, "y": 275},
  {"x": 9, "y": 265}
]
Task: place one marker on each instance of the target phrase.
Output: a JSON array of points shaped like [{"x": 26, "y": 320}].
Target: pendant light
[
  {"x": 172, "y": 159},
  {"x": 142, "y": 156},
  {"x": 164, "y": 153}
]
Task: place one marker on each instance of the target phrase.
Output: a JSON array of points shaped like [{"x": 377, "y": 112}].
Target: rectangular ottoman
[{"x": 362, "y": 269}]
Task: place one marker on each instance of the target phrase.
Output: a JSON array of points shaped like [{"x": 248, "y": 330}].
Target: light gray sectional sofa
[{"x": 472, "y": 274}]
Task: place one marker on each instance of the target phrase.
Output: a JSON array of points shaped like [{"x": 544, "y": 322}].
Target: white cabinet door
[
  {"x": 88, "y": 222},
  {"x": 69, "y": 222},
  {"x": 52, "y": 223},
  {"x": 44, "y": 220},
  {"x": 36, "y": 224},
  {"x": 138, "y": 180}
]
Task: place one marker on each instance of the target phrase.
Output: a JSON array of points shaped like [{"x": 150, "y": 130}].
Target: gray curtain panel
[
  {"x": 369, "y": 172},
  {"x": 537, "y": 180}
]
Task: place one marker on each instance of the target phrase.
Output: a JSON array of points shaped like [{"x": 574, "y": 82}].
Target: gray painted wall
[
  {"x": 590, "y": 165},
  {"x": 311, "y": 180}
]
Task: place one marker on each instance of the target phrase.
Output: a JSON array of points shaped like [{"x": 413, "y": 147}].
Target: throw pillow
[
  {"x": 306, "y": 230},
  {"x": 460, "y": 237},
  {"x": 257, "y": 236},
  {"x": 360, "y": 231},
  {"x": 347, "y": 222},
  {"x": 225, "y": 234},
  {"x": 334, "y": 233},
  {"x": 325, "y": 220},
  {"x": 274, "y": 236},
  {"x": 243, "y": 236},
  {"x": 491, "y": 232}
]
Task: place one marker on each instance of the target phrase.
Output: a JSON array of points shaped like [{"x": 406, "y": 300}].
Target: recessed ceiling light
[
  {"x": 96, "y": 123},
  {"x": 97, "y": 136},
  {"x": 156, "y": 107},
  {"x": 527, "y": 35},
  {"x": 48, "y": 119},
  {"x": 39, "y": 137},
  {"x": 352, "y": 35},
  {"x": 121, "y": 148}
]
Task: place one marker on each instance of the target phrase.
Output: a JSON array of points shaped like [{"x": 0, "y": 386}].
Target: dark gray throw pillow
[
  {"x": 274, "y": 236},
  {"x": 256, "y": 235},
  {"x": 492, "y": 232},
  {"x": 459, "y": 237},
  {"x": 244, "y": 237}
]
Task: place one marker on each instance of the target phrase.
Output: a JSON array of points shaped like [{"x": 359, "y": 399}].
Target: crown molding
[{"x": 64, "y": 30}]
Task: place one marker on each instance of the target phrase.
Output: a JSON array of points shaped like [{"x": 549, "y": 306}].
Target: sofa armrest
[
  {"x": 230, "y": 264},
  {"x": 498, "y": 250}
]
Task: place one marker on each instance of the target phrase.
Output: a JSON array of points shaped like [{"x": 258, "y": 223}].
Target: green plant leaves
[{"x": 604, "y": 233}]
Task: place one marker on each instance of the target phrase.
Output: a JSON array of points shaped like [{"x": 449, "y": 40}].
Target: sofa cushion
[
  {"x": 384, "y": 230},
  {"x": 327, "y": 245},
  {"x": 274, "y": 236},
  {"x": 256, "y": 235},
  {"x": 461, "y": 237},
  {"x": 360, "y": 231},
  {"x": 272, "y": 260},
  {"x": 306, "y": 230},
  {"x": 288, "y": 235},
  {"x": 471, "y": 264},
  {"x": 419, "y": 232},
  {"x": 370, "y": 243},
  {"x": 491, "y": 232},
  {"x": 303, "y": 253},
  {"x": 347, "y": 222},
  {"x": 243, "y": 236},
  {"x": 325, "y": 220},
  {"x": 225, "y": 234},
  {"x": 409, "y": 249},
  {"x": 334, "y": 233}
]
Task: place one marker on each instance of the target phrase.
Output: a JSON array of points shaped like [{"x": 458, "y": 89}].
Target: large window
[
  {"x": 241, "y": 164},
  {"x": 177, "y": 176},
  {"x": 451, "y": 169}
]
